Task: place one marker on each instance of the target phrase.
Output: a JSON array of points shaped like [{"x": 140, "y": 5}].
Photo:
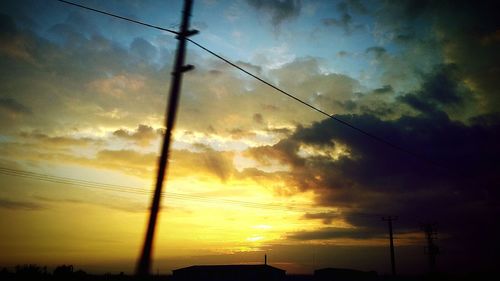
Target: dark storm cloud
[
  {"x": 441, "y": 90},
  {"x": 326, "y": 217},
  {"x": 379, "y": 181},
  {"x": 335, "y": 232},
  {"x": 442, "y": 87},
  {"x": 473, "y": 44},
  {"x": 279, "y": 10},
  {"x": 378, "y": 170},
  {"x": 453, "y": 180},
  {"x": 466, "y": 33}
]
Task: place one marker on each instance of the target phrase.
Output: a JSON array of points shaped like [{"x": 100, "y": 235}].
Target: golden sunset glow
[{"x": 303, "y": 126}]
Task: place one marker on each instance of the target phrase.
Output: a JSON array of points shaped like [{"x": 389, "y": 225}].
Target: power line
[
  {"x": 142, "y": 191},
  {"x": 331, "y": 116},
  {"x": 119, "y": 17}
]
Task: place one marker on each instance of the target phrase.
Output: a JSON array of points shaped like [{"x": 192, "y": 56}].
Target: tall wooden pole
[
  {"x": 391, "y": 243},
  {"x": 144, "y": 263},
  {"x": 432, "y": 248}
]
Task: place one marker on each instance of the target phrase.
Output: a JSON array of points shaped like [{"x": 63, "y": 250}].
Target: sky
[{"x": 252, "y": 172}]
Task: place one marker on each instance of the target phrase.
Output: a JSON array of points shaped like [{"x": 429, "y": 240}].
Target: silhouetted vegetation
[{"x": 33, "y": 272}]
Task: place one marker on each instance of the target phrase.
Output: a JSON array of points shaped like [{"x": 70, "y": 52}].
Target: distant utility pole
[
  {"x": 144, "y": 263},
  {"x": 389, "y": 220},
  {"x": 432, "y": 250}
]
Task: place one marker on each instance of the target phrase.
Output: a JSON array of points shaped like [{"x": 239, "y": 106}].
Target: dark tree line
[
  {"x": 36, "y": 272},
  {"x": 62, "y": 273}
]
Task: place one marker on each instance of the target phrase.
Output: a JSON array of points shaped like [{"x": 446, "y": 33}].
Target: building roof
[{"x": 230, "y": 267}]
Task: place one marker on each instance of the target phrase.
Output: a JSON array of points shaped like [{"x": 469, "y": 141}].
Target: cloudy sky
[{"x": 82, "y": 104}]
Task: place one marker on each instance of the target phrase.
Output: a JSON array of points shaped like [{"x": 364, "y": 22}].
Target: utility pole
[
  {"x": 389, "y": 220},
  {"x": 144, "y": 263},
  {"x": 432, "y": 249}
]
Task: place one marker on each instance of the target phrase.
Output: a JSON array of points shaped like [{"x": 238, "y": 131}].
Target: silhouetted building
[
  {"x": 241, "y": 272},
  {"x": 341, "y": 274}
]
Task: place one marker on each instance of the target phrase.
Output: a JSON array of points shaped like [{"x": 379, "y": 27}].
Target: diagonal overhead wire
[
  {"x": 118, "y": 17},
  {"x": 416, "y": 155}
]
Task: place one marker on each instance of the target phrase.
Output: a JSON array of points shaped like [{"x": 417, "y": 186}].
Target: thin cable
[
  {"x": 119, "y": 17},
  {"x": 141, "y": 191}
]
